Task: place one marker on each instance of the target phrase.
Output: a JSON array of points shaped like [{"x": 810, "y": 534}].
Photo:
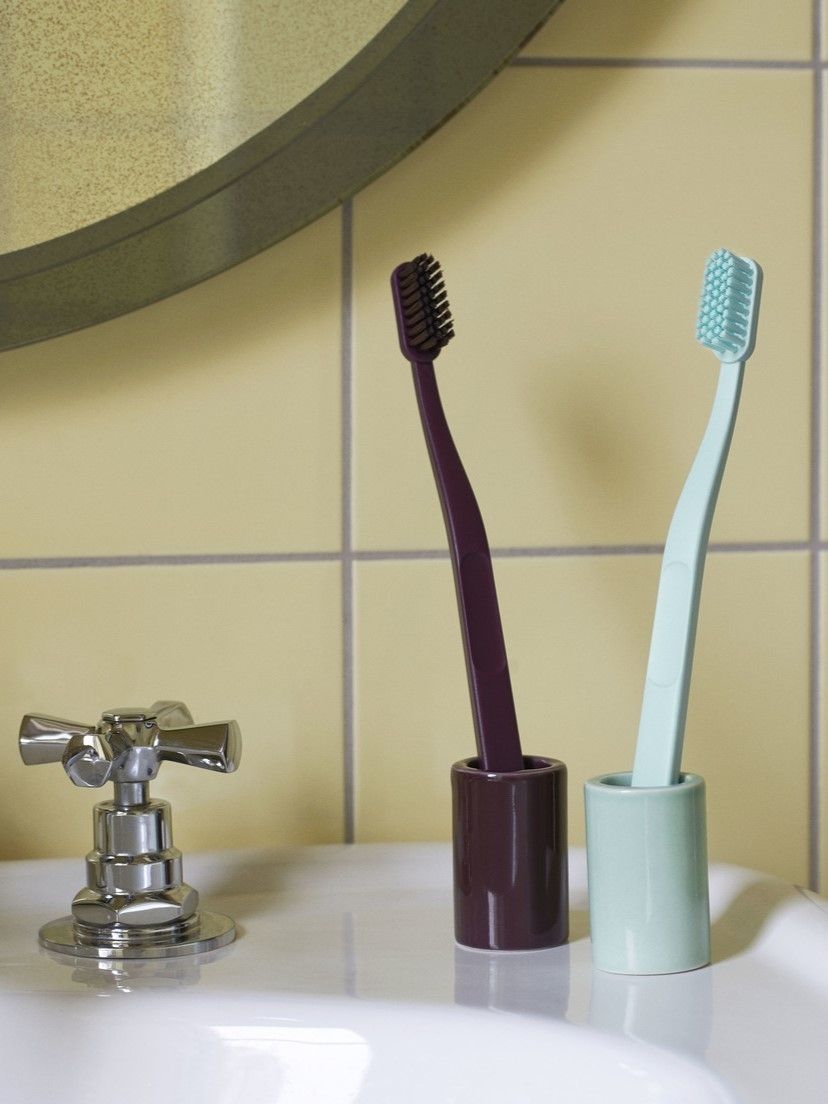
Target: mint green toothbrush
[{"x": 728, "y": 314}]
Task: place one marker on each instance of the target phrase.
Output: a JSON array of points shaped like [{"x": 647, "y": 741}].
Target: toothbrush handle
[
  {"x": 493, "y": 708},
  {"x": 667, "y": 686}
]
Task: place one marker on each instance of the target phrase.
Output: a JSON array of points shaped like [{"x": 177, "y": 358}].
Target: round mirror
[{"x": 151, "y": 146}]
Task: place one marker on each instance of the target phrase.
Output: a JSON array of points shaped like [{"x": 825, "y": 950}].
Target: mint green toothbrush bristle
[
  {"x": 726, "y": 324},
  {"x": 728, "y": 310}
]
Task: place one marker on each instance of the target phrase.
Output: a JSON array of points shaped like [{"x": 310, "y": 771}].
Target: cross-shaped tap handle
[{"x": 128, "y": 745}]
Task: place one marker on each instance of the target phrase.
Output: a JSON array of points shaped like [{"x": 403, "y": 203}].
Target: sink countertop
[{"x": 345, "y": 985}]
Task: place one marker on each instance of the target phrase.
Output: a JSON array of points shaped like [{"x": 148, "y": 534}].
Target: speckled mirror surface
[
  {"x": 104, "y": 106},
  {"x": 150, "y": 146}
]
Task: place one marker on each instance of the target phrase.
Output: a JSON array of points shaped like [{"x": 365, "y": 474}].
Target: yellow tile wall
[
  {"x": 257, "y": 642},
  {"x": 204, "y": 423},
  {"x": 703, "y": 29},
  {"x": 216, "y": 498},
  {"x": 578, "y": 629},
  {"x": 576, "y": 284}
]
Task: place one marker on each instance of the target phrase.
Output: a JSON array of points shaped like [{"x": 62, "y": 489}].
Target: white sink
[{"x": 345, "y": 986}]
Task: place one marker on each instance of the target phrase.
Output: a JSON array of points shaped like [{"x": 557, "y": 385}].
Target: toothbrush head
[
  {"x": 421, "y": 304},
  {"x": 729, "y": 307}
]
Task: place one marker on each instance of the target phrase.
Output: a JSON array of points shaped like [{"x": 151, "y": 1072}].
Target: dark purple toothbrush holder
[{"x": 511, "y": 881}]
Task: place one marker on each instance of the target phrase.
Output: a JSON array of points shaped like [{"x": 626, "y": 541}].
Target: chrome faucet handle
[
  {"x": 44, "y": 739},
  {"x": 215, "y": 747},
  {"x": 129, "y": 744},
  {"x": 171, "y": 714},
  {"x": 90, "y": 760}
]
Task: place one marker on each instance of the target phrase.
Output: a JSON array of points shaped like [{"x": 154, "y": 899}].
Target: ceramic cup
[
  {"x": 510, "y": 858},
  {"x": 647, "y": 870}
]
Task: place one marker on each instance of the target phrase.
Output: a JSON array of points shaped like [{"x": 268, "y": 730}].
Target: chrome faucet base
[
  {"x": 206, "y": 931},
  {"x": 135, "y": 903}
]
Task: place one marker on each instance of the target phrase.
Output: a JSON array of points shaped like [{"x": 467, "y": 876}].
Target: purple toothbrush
[{"x": 425, "y": 327}]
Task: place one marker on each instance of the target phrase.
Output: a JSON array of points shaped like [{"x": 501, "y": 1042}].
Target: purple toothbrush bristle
[{"x": 423, "y": 311}]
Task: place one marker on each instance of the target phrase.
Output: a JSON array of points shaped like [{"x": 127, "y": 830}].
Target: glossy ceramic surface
[
  {"x": 345, "y": 985},
  {"x": 647, "y": 867},
  {"x": 510, "y": 855}
]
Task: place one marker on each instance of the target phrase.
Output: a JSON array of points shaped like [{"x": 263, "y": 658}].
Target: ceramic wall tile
[
  {"x": 256, "y": 642},
  {"x": 573, "y": 212},
  {"x": 703, "y": 29},
  {"x": 577, "y": 631},
  {"x": 206, "y": 423}
]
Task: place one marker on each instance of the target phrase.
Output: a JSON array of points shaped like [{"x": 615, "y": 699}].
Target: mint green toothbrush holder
[{"x": 649, "y": 911}]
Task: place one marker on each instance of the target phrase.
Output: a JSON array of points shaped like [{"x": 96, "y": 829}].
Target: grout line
[
  {"x": 348, "y": 748},
  {"x": 401, "y": 554},
  {"x": 759, "y": 546},
  {"x": 815, "y": 666},
  {"x": 22, "y": 563},
  {"x": 45, "y": 563},
  {"x": 661, "y": 63},
  {"x": 585, "y": 550}
]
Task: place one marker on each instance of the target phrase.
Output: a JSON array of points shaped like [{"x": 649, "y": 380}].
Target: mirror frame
[{"x": 428, "y": 61}]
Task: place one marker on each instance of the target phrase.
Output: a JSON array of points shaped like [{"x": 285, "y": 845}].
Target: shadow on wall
[
  {"x": 568, "y": 410},
  {"x": 631, "y": 25},
  {"x": 14, "y": 839},
  {"x": 589, "y": 431},
  {"x": 740, "y": 925},
  {"x": 494, "y": 172},
  {"x": 26, "y": 797},
  {"x": 224, "y": 313},
  {"x": 285, "y": 287}
]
